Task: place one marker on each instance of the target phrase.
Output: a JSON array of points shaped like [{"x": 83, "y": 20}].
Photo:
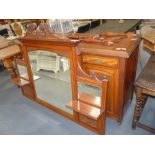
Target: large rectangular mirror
[{"x": 51, "y": 73}]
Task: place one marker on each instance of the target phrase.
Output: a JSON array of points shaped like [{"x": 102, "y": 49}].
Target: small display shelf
[
  {"x": 19, "y": 81},
  {"x": 90, "y": 99},
  {"x": 85, "y": 109}
]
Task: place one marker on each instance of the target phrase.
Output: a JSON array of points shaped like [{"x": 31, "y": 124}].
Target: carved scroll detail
[{"x": 92, "y": 75}]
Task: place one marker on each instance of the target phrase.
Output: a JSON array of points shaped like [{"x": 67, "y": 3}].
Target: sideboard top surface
[
  {"x": 124, "y": 48},
  {"x": 109, "y": 44}
]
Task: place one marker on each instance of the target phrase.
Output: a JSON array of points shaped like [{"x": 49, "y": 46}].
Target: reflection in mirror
[
  {"x": 22, "y": 70},
  {"x": 84, "y": 88},
  {"x": 52, "y": 82},
  {"x": 22, "y": 79}
]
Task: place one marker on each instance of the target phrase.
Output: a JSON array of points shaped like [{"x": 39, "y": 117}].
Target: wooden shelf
[
  {"x": 90, "y": 99},
  {"x": 85, "y": 109},
  {"x": 19, "y": 81}
]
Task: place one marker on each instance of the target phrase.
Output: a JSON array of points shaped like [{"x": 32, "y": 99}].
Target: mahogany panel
[
  {"x": 100, "y": 60},
  {"x": 130, "y": 74}
]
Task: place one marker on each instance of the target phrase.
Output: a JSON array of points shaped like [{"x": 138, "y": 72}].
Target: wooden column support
[{"x": 140, "y": 103}]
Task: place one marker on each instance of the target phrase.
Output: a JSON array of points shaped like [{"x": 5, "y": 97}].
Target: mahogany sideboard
[
  {"x": 119, "y": 66},
  {"x": 115, "y": 58}
]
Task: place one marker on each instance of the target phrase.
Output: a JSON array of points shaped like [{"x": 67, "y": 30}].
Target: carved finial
[{"x": 32, "y": 27}]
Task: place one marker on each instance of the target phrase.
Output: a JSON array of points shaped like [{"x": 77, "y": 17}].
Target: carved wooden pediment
[{"x": 42, "y": 32}]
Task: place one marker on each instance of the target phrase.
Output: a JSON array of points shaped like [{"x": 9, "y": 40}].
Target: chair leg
[{"x": 140, "y": 103}]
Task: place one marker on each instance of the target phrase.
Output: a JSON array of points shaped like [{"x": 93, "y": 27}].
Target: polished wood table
[
  {"x": 149, "y": 41},
  {"x": 8, "y": 50}
]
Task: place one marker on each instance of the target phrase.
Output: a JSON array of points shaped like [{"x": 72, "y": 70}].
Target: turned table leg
[
  {"x": 9, "y": 66},
  {"x": 140, "y": 103}
]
